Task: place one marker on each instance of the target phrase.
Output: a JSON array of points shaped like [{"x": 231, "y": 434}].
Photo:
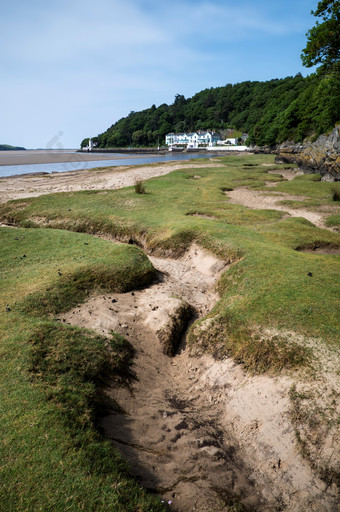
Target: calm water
[{"x": 13, "y": 170}]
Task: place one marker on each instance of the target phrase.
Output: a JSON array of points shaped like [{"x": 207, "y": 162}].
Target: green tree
[
  {"x": 323, "y": 40},
  {"x": 139, "y": 138}
]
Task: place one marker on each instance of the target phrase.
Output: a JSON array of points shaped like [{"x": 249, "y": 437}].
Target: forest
[{"x": 271, "y": 112}]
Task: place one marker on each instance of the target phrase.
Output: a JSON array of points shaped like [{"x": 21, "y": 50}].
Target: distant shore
[
  {"x": 50, "y": 156},
  {"x": 153, "y": 151},
  {"x": 127, "y": 151}
]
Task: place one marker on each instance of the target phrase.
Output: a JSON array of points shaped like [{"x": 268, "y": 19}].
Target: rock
[
  {"x": 327, "y": 177},
  {"x": 320, "y": 157}
]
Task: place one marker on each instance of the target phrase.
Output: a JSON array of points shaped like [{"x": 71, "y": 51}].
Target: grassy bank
[
  {"x": 53, "y": 457},
  {"x": 269, "y": 282}
]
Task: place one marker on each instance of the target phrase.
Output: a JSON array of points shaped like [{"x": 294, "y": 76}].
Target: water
[{"x": 121, "y": 159}]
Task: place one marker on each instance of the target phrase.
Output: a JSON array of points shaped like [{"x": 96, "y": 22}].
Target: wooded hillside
[{"x": 271, "y": 112}]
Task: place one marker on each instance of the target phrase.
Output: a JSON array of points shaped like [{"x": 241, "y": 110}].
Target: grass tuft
[{"x": 140, "y": 187}]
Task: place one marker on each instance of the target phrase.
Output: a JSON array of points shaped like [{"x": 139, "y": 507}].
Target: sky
[{"x": 69, "y": 69}]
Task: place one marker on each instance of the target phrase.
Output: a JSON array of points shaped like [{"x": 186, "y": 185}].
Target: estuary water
[{"x": 78, "y": 161}]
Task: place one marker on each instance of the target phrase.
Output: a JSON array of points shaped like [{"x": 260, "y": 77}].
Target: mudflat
[{"x": 50, "y": 156}]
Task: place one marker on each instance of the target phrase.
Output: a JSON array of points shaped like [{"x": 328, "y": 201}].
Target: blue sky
[{"x": 70, "y": 69}]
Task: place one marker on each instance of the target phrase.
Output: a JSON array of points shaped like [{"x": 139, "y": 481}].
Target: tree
[
  {"x": 323, "y": 40},
  {"x": 139, "y": 138},
  {"x": 84, "y": 143}
]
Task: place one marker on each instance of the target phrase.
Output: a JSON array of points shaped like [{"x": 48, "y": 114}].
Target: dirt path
[
  {"x": 18, "y": 187},
  {"x": 267, "y": 201},
  {"x": 199, "y": 432}
]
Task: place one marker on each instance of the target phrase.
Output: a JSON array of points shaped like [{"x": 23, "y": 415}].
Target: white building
[
  {"x": 192, "y": 140},
  {"x": 228, "y": 142}
]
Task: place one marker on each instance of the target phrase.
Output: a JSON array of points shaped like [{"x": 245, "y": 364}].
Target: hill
[
  {"x": 7, "y": 147},
  {"x": 292, "y": 108}
]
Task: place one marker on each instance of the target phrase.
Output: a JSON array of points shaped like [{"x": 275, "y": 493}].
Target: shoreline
[
  {"x": 43, "y": 163},
  {"x": 36, "y": 157},
  {"x": 102, "y": 178}
]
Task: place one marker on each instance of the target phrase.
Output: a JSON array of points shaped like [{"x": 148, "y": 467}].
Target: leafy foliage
[
  {"x": 323, "y": 40},
  {"x": 270, "y": 112}
]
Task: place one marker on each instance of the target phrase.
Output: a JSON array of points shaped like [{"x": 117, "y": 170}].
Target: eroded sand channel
[{"x": 199, "y": 432}]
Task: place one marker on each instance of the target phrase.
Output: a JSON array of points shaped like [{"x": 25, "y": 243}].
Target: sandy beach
[{"x": 33, "y": 185}]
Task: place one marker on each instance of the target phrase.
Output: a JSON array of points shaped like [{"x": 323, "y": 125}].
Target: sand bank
[{"x": 48, "y": 157}]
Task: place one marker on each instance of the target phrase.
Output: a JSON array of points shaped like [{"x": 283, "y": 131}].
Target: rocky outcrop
[{"x": 320, "y": 157}]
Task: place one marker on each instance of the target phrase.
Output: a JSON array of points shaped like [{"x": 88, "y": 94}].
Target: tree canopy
[
  {"x": 323, "y": 40},
  {"x": 270, "y": 112}
]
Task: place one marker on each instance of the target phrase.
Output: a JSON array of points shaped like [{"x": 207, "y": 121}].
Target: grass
[
  {"x": 178, "y": 210},
  {"x": 316, "y": 193},
  {"x": 269, "y": 284},
  {"x": 54, "y": 458},
  {"x": 333, "y": 221}
]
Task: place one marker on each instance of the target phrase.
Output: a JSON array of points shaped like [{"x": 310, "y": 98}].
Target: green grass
[
  {"x": 165, "y": 221},
  {"x": 54, "y": 457},
  {"x": 273, "y": 288},
  {"x": 316, "y": 193},
  {"x": 333, "y": 221}
]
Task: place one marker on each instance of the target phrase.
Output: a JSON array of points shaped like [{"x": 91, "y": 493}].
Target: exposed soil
[
  {"x": 287, "y": 174},
  {"x": 270, "y": 201},
  {"x": 322, "y": 249},
  {"x": 202, "y": 216},
  {"x": 200, "y": 432}
]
